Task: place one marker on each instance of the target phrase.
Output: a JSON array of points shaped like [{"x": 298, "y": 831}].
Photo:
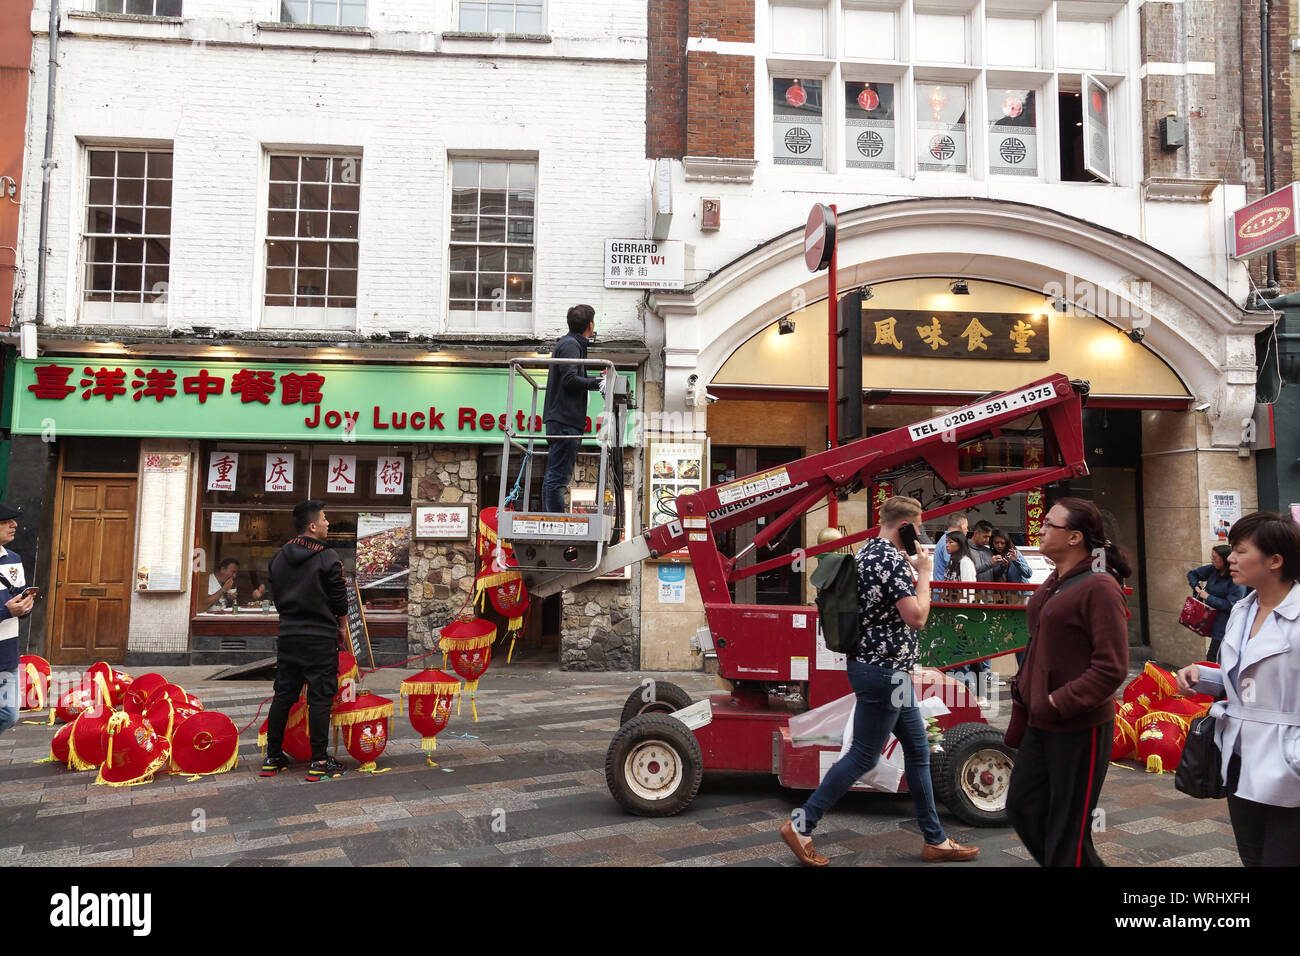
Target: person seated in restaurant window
[{"x": 221, "y": 584}]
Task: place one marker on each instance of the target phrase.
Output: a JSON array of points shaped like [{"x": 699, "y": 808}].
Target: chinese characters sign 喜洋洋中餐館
[
  {"x": 276, "y": 402},
  {"x": 911, "y": 333}
]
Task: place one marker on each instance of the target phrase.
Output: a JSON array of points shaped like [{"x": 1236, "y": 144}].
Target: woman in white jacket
[{"x": 1258, "y": 727}]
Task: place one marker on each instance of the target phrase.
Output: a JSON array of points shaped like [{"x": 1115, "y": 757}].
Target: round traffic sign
[{"x": 819, "y": 238}]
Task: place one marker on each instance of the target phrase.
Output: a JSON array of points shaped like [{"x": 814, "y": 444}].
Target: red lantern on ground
[
  {"x": 364, "y": 724},
  {"x": 137, "y": 695},
  {"x": 1124, "y": 740},
  {"x": 429, "y": 706},
  {"x": 60, "y": 746},
  {"x": 114, "y": 682},
  {"x": 33, "y": 682},
  {"x": 1182, "y": 707},
  {"x": 1160, "y": 742},
  {"x": 161, "y": 715},
  {"x": 79, "y": 700},
  {"x": 297, "y": 742},
  {"x": 348, "y": 669},
  {"x": 1154, "y": 683},
  {"x": 135, "y": 752},
  {"x": 205, "y": 743},
  {"x": 88, "y": 740},
  {"x": 468, "y": 645}
]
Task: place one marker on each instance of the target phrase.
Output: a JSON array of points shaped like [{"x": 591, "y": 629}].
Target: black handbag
[{"x": 1199, "y": 771}]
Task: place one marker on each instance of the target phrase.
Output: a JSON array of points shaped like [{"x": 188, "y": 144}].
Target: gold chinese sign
[{"x": 980, "y": 335}]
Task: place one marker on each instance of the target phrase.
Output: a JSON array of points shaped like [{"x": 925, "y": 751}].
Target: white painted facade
[
  {"x": 226, "y": 83},
  {"x": 1166, "y": 237}
]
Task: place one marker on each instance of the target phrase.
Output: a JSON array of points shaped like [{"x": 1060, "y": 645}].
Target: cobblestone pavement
[{"x": 525, "y": 787}]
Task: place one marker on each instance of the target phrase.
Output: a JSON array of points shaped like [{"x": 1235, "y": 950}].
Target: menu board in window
[
  {"x": 162, "y": 559},
  {"x": 673, "y": 469},
  {"x": 383, "y": 549}
]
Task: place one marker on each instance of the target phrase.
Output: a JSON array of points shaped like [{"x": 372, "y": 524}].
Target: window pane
[
  {"x": 1081, "y": 44},
  {"x": 280, "y": 223},
  {"x": 520, "y": 289},
  {"x": 353, "y": 14},
  {"x": 100, "y": 219},
  {"x": 101, "y": 163},
  {"x": 101, "y": 192},
  {"x": 99, "y": 250},
  {"x": 462, "y": 258},
  {"x": 315, "y": 169},
  {"x": 941, "y": 128},
  {"x": 523, "y": 176},
  {"x": 492, "y": 202},
  {"x": 347, "y": 170},
  {"x": 282, "y": 195},
  {"x": 314, "y": 196},
  {"x": 284, "y": 168},
  {"x": 870, "y": 34},
  {"x": 520, "y": 260},
  {"x": 343, "y": 282},
  {"x": 501, "y": 16},
  {"x": 99, "y": 278},
  {"x": 461, "y": 285},
  {"x": 293, "y": 11},
  {"x": 1012, "y": 42},
  {"x": 343, "y": 225},
  {"x": 280, "y": 253},
  {"x": 491, "y": 260},
  {"x": 155, "y": 279},
  {"x": 158, "y": 222},
  {"x": 1013, "y": 132},
  {"x": 345, "y": 198},
  {"x": 464, "y": 174},
  {"x": 343, "y": 255},
  {"x": 279, "y": 281},
  {"x": 130, "y": 165},
  {"x": 488, "y": 286},
  {"x": 129, "y": 221},
  {"x": 157, "y": 250},
  {"x": 159, "y": 192},
  {"x": 521, "y": 230},
  {"x": 325, "y": 12},
  {"x": 521, "y": 202},
  {"x": 167, "y": 8},
  {"x": 130, "y": 192},
  {"x": 944, "y": 38},
  {"x": 463, "y": 228},
  {"x": 528, "y": 20},
  {"x": 473, "y": 17},
  {"x": 495, "y": 175},
  {"x": 313, "y": 225},
  {"x": 492, "y": 229},
  {"x": 799, "y": 30},
  {"x": 871, "y": 139},
  {"x": 797, "y": 137},
  {"x": 464, "y": 201},
  {"x": 311, "y": 282},
  {"x": 130, "y": 250},
  {"x": 312, "y": 255},
  {"x": 160, "y": 164}
]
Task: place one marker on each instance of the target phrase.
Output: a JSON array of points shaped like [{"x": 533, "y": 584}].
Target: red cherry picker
[{"x": 771, "y": 656}]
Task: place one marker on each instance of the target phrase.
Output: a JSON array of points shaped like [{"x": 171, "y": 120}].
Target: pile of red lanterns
[
  {"x": 1152, "y": 719},
  {"x": 129, "y": 728}
]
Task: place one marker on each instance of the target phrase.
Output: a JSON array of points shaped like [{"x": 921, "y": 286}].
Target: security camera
[
  {"x": 710, "y": 398},
  {"x": 691, "y": 380},
  {"x": 1136, "y": 335},
  {"x": 1202, "y": 408}
]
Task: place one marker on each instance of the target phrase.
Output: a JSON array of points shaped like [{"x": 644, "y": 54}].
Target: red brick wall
[
  {"x": 665, "y": 133},
  {"x": 720, "y": 106},
  {"x": 731, "y": 20},
  {"x": 15, "y": 62}
]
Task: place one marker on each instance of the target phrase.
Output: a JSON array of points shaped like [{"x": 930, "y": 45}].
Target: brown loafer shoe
[
  {"x": 945, "y": 854},
  {"x": 808, "y": 856}
]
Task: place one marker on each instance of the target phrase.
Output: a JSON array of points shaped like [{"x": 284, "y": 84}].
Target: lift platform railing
[{"x": 571, "y": 541}]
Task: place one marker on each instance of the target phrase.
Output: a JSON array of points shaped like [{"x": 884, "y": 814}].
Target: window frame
[
  {"x": 463, "y": 320},
  {"x": 338, "y": 13},
  {"x": 126, "y": 13},
  {"x": 514, "y": 4},
  {"x": 313, "y": 318}
]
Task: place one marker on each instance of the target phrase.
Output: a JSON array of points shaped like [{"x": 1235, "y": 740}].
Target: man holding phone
[{"x": 16, "y": 600}]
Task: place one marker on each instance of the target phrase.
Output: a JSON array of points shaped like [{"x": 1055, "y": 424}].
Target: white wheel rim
[
  {"x": 984, "y": 778},
  {"x": 653, "y": 770}
]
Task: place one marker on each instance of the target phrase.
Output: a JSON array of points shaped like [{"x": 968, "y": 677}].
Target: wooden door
[{"x": 92, "y": 594}]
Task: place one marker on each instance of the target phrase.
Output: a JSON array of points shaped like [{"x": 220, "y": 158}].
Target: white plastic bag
[{"x": 822, "y": 726}]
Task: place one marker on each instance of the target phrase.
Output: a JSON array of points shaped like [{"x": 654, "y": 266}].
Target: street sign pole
[{"x": 832, "y": 334}]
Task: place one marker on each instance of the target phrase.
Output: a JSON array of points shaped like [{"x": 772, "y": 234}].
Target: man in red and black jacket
[{"x": 312, "y": 600}]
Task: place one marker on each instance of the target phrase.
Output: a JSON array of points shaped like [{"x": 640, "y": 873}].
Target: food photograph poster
[{"x": 383, "y": 547}]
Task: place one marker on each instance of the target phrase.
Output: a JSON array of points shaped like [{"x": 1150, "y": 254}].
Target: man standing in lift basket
[
  {"x": 565, "y": 412},
  {"x": 312, "y": 599}
]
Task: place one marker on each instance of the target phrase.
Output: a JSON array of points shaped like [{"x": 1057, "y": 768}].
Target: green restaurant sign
[{"x": 225, "y": 400}]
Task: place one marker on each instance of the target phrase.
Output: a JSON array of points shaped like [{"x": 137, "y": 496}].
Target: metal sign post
[{"x": 819, "y": 251}]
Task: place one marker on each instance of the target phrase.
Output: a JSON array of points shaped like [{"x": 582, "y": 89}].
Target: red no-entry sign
[{"x": 819, "y": 238}]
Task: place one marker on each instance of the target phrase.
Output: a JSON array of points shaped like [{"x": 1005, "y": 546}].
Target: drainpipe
[
  {"x": 47, "y": 167},
  {"x": 1266, "y": 67}
]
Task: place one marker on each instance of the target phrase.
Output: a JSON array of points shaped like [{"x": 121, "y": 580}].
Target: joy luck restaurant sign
[
  {"x": 276, "y": 402},
  {"x": 1266, "y": 224}
]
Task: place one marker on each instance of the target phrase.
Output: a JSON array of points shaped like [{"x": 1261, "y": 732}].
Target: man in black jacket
[
  {"x": 565, "y": 412},
  {"x": 312, "y": 600}
]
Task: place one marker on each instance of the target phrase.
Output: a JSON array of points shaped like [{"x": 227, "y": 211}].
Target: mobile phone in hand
[
  {"x": 907, "y": 535},
  {"x": 34, "y": 592}
]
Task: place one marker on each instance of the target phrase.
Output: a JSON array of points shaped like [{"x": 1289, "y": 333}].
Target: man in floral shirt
[{"x": 894, "y": 594}]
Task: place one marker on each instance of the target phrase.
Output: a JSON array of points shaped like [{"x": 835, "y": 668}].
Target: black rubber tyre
[
  {"x": 972, "y": 774},
  {"x": 665, "y": 698},
  {"x": 653, "y": 766}
]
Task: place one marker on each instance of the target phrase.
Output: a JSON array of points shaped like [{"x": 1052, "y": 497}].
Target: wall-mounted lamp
[
  {"x": 1136, "y": 335},
  {"x": 959, "y": 287},
  {"x": 785, "y": 326},
  {"x": 866, "y": 292}
]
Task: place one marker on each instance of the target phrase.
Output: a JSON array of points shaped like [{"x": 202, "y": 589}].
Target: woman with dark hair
[
  {"x": 1076, "y": 660},
  {"x": 1212, "y": 584},
  {"x": 1008, "y": 566},
  {"x": 1258, "y": 726},
  {"x": 961, "y": 566}
]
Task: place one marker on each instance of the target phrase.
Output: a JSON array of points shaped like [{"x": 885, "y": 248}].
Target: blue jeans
[
  {"x": 886, "y": 704},
  {"x": 8, "y": 699},
  {"x": 560, "y": 457}
]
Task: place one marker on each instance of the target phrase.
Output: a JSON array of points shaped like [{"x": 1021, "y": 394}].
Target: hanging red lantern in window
[
  {"x": 795, "y": 95},
  {"x": 364, "y": 725},
  {"x": 868, "y": 99},
  {"x": 938, "y": 100},
  {"x": 1012, "y": 106},
  {"x": 467, "y": 644},
  {"x": 429, "y": 706},
  {"x": 33, "y": 682}
]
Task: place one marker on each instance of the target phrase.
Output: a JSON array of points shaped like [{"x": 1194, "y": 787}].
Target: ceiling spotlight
[
  {"x": 1136, "y": 335},
  {"x": 959, "y": 287},
  {"x": 785, "y": 326}
]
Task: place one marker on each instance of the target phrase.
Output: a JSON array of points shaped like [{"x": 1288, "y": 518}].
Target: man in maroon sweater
[{"x": 1077, "y": 659}]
